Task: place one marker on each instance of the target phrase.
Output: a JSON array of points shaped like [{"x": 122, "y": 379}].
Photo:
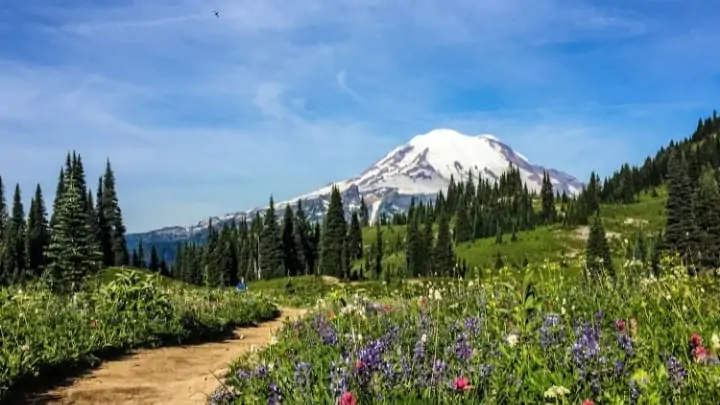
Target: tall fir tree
[
  {"x": 104, "y": 226},
  {"x": 707, "y": 214},
  {"x": 463, "y": 225},
  {"x": 72, "y": 251},
  {"x": 154, "y": 264},
  {"x": 547, "y": 197},
  {"x": 113, "y": 214},
  {"x": 443, "y": 253},
  {"x": 303, "y": 237},
  {"x": 364, "y": 214},
  {"x": 413, "y": 246},
  {"x": 379, "y": 250},
  {"x": 271, "y": 250},
  {"x": 140, "y": 256},
  {"x": 333, "y": 237},
  {"x": 355, "y": 242},
  {"x": 38, "y": 236},
  {"x": 14, "y": 257},
  {"x": 598, "y": 256},
  {"x": 293, "y": 266},
  {"x": 681, "y": 231},
  {"x": 58, "y": 193}
]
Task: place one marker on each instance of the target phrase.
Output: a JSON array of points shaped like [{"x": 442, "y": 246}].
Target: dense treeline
[
  {"x": 690, "y": 169},
  {"x": 82, "y": 236}
]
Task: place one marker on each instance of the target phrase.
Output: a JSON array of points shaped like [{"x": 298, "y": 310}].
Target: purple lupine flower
[
  {"x": 676, "y": 370},
  {"x": 551, "y": 332},
  {"x": 619, "y": 367},
  {"x": 463, "y": 350},
  {"x": 221, "y": 396},
  {"x": 625, "y": 343},
  {"x": 275, "y": 395},
  {"x": 338, "y": 379},
  {"x": 419, "y": 352},
  {"x": 262, "y": 371},
  {"x": 439, "y": 371},
  {"x": 325, "y": 330},
  {"x": 485, "y": 370},
  {"x": 635, "y": 392},
  {"x": 472, "y": 325},
  {"x": 243, "y": 374},
  {"x": 301, "y": 377}
]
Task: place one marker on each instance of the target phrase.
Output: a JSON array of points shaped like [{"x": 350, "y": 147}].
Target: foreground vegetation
[
  {"x": 44, "y": 335},
  {"x": 638, "y": 339}
]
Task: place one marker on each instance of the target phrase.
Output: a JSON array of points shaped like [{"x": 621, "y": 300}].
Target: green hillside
[{"x": 554, "y": 242}]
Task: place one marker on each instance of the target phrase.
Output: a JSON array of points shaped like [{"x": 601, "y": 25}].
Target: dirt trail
[{"x": 174, "y": 375}]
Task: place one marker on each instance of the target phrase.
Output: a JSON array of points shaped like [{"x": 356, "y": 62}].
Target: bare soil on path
[{"x": 173, "y": 375}]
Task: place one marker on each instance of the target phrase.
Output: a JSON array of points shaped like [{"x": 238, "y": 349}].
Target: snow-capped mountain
[{"x": 420, "y": 169}]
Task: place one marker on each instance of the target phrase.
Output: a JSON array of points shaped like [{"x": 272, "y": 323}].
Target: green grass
[{"x": 390, "y": 233}]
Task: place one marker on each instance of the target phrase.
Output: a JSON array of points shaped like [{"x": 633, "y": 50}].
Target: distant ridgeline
[{"x": 700, "y": 152}]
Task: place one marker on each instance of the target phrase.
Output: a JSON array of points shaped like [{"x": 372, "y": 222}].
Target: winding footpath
[{"x": 174, "y": 375}]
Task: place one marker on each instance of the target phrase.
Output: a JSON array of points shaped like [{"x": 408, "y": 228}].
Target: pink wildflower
[
  {"x": 347, "y": 398},
  {"x": 620, "y": 325},
  {"x": 462, "y": 384}
]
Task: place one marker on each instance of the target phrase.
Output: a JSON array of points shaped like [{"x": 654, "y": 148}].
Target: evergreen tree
[
  {"x": 38, "y": 237},
  {"x": 379, "y": 251},
  {"x": 427, "y": 241},
  {"x": 707, "y": 213},
  {"x": 302, "y": 236},
  {"x": 598, "y": 255},
  {"x": 547, "y": 213},
  {"x": 72, "y": 250},
  {"x": 271, "y": 249},
  {"x": 413, "y": 246},
  {"x": 364, "y": 215},
  {"x": 154, "y": 264},
  {"x": 333, "y": 237},
  {"x": 113, "y": 214},
  {"x": 680, "y": 222},
  {"x": 58, "y": 194},
  {"x": 292, "y": 264},
  {"x": 104, "y": 227},
  {"x": 14, "y": 257},
  {"x": 463, "y": 225},
  {"x": 443, "y": 254},
  {"x": 355, "y": 242},
  {"x": 135, "y": 262},
  {"x": 140, "y": 255}
]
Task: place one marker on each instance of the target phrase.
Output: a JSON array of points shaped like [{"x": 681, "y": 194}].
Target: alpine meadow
[
  {"x": 358, "y": 202},
  {"x": 488, "y": 293}
]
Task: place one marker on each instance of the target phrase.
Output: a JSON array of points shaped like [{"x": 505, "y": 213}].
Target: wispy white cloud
[
  {"x": 203, "y": 115},
  {"x": 342, "y": 82}
]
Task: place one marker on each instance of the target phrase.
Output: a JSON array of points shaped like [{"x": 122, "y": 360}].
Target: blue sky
[{"x": 203, "y": 115}]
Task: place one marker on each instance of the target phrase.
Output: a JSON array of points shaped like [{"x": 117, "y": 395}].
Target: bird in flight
[{"x": 217, "y": 14}]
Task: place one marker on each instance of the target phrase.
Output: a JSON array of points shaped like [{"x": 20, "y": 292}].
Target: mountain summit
[
  {"x": 420, "y": 169},
  {"x": 426, "y": 163}
]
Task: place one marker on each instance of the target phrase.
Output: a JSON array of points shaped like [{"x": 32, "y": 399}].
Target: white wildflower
[
  {"x": 715, "y": 341},
  {"x": 556, "y": 391},
  {"x": 423, "y": 338},
  {"x": 512, "y": 339}
]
